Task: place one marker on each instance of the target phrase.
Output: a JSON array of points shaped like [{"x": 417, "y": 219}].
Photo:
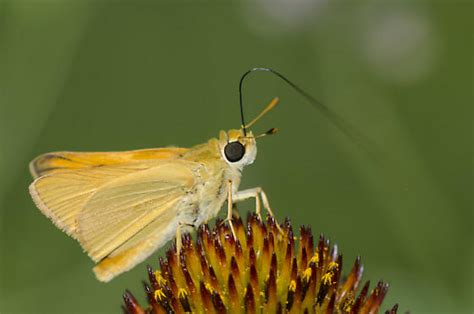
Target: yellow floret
[
  {"x": 307, "y": 274},
  {"x": 327, "y": 278},
  {"x": 208, "y": 287},
  {"x": 333, "y": 265},
  {"x": 314, "y": 259},
  {"x": 292, "y": 286},
  {"x": 159, "y": 294},
  {"x": 182, "y": 293},
  {"x": 159, "y": 278}
]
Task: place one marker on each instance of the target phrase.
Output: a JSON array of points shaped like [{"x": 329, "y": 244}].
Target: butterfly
[{"x": 123, "y": 206}]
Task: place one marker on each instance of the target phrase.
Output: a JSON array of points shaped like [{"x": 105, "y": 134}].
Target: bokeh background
[{"x": 119, "y": 75}]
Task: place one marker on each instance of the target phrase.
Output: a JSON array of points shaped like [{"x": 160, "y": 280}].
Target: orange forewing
[{"x": 59, "y": 161}]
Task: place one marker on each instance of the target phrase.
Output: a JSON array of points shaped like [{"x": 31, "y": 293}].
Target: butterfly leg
[
  {"x": 257, "y": 193},
  {"x": 246, "y": 194},
  {"x": 230, "y": 204},
  {"x": 179, "y": 240}
]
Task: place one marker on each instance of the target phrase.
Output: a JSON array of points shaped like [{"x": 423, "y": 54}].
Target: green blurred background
[{"x": 119, "y": 75}]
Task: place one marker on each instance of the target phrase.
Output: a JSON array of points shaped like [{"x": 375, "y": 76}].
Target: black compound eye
[{"x": 234, "y": 151}]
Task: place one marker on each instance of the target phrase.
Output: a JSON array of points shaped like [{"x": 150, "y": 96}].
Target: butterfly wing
[
  {"x": 66, "y": 180},
  {"x": 124, "y": 206},
  {"x": 141, "y": 245},
  {"x": 132, "y": 216},
  {"x": 119, "y": 206},
  {"x": 59, "y": 161}
]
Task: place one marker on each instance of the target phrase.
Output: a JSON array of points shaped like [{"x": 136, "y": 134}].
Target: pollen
[
  {"x": 160, "y": 295},
  {"x": 292, "y": 286},
  {"x": 327, "y": 278},
  {"x": 347, "y": 305},
  {"x": 208, "y": 287},
  {"x": 333, "y": 266},
  {"x": 307, "y": 274},
  {"x": 159, "y": 278},
  {"x": 182, "y": 293},
  {"x": 314, "y": 259}
]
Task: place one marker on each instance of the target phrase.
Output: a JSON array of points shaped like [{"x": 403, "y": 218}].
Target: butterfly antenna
[{"x": 337, "y": 120}]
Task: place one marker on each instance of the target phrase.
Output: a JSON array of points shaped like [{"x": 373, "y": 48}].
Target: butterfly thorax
[{"x": 212, "y": 175}]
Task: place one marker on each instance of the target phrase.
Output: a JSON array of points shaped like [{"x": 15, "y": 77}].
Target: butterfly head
[{"x": 237, "y": 149}]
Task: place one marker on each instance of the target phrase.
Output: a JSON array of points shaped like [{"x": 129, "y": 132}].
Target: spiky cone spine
[{"x": 262, "y": 271}]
